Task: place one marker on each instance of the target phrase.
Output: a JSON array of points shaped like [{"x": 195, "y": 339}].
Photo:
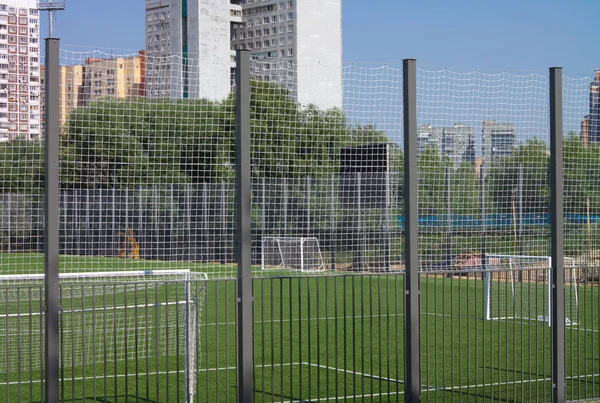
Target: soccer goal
[
  {"x": 518, "y": 287},
  {"x": 109, "y": 320},
  {"x": 296, "y": 253}
]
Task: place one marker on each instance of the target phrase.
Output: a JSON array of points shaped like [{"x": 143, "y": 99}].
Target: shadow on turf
[{"x": 113, "y": 399}]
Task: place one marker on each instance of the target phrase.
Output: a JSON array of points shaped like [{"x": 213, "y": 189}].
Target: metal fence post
[
  {"x": 557, "y": 313},
  {"x": 412, "y": 331},
  {"x": 51, "y": 230},
  {"x": 243, "y": 230}
]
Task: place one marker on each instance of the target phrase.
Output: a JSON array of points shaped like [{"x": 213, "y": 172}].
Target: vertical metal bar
[
  {"x": 308, "y": 206},
  {"x": 285, "y": 204},
  {"x": 243, "y": 233},
  {"x": 557, "y": 315},
  {"x": 448, "y": 220},
  {"x": 520, "y": 212},
  {"x": 332, "y": 223},
  {"x": 52, "y": 213},
  {"x": 412, "y": 336}
]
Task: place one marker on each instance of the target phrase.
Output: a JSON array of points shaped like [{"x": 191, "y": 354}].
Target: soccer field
[{"x": 328, "y": 338}]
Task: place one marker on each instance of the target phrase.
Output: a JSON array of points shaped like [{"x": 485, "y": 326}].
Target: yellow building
[{"x": 121, "y": 77}]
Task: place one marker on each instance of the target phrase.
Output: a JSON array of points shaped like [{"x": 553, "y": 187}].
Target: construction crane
[{"x": 51, "y": 6}]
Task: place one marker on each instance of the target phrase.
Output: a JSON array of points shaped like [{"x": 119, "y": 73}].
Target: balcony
[{"x": 235, "y": 13}]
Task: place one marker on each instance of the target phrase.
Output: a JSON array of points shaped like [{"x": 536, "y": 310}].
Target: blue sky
[{"x": 523, "y": 35}]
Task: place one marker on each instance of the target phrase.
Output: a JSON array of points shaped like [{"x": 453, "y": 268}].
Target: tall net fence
[
  {"x": 483, "y": 158},
  {"x": 330, "y": 175},
  {"x": 147, "y": 186}
]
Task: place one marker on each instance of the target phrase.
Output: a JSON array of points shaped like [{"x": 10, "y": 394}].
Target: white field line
[
  {"x": 351, "y": 397},
  {"x": 376, "y": 377}
]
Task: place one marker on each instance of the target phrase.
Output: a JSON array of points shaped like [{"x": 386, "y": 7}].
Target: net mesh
[
  {"x": 519, "y": 287},
  {"x": 147, "y": 173},
  {"x": 120, "y": 317}
]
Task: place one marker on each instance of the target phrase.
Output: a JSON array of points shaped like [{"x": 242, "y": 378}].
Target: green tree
[{"x": 22, "y": 166}]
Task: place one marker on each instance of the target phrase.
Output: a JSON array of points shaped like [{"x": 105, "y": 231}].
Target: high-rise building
[
  {"x": 585, "y": 131},
  {"x": 191, "y": 46},
  {"x": 456, "y": 142},
  {"x": 594, "y": 116},
  {"x": 19, "y": 70},
  {"x": 300, "y": 43},
  {"x": 80, "y": 84},
  {"x": 120, "y": 77},
  {"x": 498, "y": 141}
]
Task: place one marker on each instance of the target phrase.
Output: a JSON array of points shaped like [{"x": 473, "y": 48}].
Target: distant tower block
[{"x": 51, "y": 6}]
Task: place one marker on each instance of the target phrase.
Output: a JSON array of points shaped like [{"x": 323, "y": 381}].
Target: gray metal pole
[
  {"x": 51, "y": 213},
  {"x": 285, "y": 203},
  {"x": 308, "y": 206},
  {"x": 520, "y": 212},
  {"x": 244, "y": 230},
  {"x": 412, "y": 330},
  {"x": 483, "y": 212},
  {"x": 448, "y": 221},
  {"x": 332, "y": 231},
  {"x": 557, "y": 312}
]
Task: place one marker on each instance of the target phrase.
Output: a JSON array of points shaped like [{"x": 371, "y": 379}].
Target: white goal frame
[
  {"x": 284, "y": 263},
  {"x": 122, "y": 278},
  {"x": 546, "y": 317}
]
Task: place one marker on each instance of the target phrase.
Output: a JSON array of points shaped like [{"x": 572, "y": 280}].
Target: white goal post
[
  {"x": 518, "y": 287},
  {"x": 291, "y": 253},
  {"x": 108, "y": 318}
]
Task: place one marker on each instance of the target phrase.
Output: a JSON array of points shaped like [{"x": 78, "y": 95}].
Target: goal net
[
  {"x": 110, "y": 322},
  {"x": 518, "y": 287},
  {"x": 294, "y": 253}
]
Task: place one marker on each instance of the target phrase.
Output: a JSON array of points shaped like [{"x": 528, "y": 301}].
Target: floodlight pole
[
  {"x": 51, "y": 6},
  {"x": 51, "y": 23}
]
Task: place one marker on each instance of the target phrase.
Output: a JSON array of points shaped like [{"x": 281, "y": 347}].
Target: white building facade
[
  {"x": 298, "y": 43},
  {"x": 188, "y": 47},
  {"x": 19, "y": 70}
]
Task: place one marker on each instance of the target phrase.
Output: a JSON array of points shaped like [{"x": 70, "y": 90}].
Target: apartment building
[
  {"x": 120, "y": 77},
  {"x": 300, "y": 45},
  {"x": 594, "y": 116},
  {"x": 189, "y": 47},
  {"x": 456, "y": 142},
  {"x": 498, "y": 141},
  {"x": 19, "y": 70},
  {"x": 80, "y": 84},
  {"x": 297, "y": 43}
]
